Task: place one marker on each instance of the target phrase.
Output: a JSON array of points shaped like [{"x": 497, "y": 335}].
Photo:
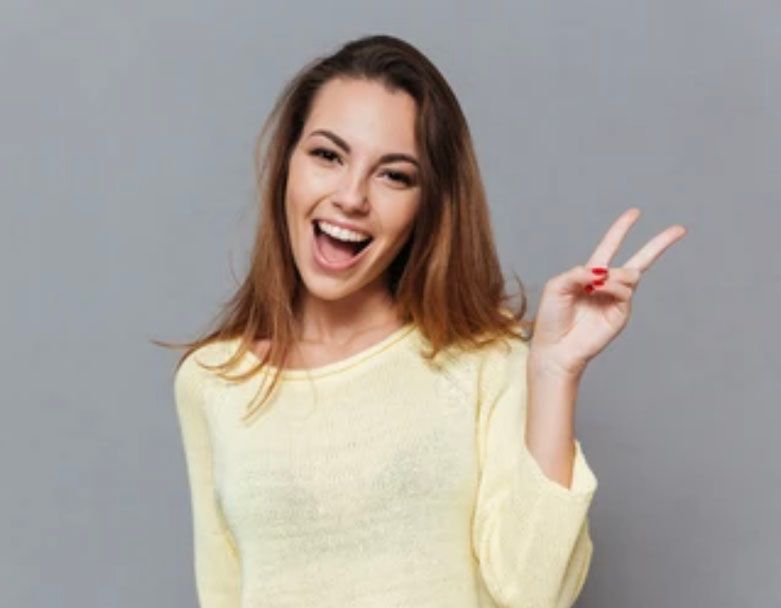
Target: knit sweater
[{"x": 379, "y": 480}]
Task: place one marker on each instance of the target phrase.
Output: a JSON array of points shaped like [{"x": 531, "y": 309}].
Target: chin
[
  {"x": 332, "y": 289},
  {"x": 326, "y": 290}
]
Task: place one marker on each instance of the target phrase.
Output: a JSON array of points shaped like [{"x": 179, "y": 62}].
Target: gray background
[{"x": 127, "y": 202}]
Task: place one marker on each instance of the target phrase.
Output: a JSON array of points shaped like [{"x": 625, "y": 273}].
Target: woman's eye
[
  {"x": 328, "y": 155},
  {"x": 398, "y": 176}
]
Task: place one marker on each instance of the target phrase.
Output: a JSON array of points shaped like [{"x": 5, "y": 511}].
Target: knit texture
[{"x": 380, "y": 480}]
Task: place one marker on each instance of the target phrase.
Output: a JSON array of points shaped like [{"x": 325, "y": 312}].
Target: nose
[{"x": 351, "y": 196}]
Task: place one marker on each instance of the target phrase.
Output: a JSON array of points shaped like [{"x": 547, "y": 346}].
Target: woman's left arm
[
  {"x": 580, "y": 313},
  {"x": 531, "y": 531}
]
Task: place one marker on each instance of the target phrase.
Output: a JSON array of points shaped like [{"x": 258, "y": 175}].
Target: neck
[{"x": 338, "y": 321}]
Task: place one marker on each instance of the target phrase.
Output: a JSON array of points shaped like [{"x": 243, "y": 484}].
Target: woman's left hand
[{"x": 573, "y": 323}]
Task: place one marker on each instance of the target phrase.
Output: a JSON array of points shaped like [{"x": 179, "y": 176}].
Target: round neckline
[{"x": 342, "y": 364}]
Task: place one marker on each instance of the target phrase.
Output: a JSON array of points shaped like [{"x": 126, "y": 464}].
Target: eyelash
[{"x": 403, "y": 177}]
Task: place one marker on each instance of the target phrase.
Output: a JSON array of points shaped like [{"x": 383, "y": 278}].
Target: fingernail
[
  {"x": 599, "y": 270},
  {"x": 588, "y": 288},
  {"x": 598, "y": 283}
]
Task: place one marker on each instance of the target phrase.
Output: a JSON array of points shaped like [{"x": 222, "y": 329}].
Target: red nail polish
[
  {"x": 588, "y": 288},
  {"x": 599, "y": 270},
  {"x": 598, "y": 283}
]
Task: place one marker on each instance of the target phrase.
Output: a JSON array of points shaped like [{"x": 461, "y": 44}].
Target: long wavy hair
[{"x": 446, "y": 278}]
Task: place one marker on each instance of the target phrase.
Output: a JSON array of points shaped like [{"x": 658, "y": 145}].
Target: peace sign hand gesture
[{"x": 575, "y": 320}]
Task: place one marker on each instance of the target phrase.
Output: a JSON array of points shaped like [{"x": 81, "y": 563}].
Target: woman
[{"x": 414, "y": 445}]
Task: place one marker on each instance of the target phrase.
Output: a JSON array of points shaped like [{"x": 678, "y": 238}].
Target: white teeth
[{"x": 341, "y": 233}]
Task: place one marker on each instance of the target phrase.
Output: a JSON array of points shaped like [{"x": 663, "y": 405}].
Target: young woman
[{"x": 414, "y": 443}]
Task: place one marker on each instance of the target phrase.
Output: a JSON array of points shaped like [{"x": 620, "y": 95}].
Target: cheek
[
  {"x": 293, "y": 217},
  {"x": 303, "y": 190},
  {"x": 404, "y": 216},
  {"x": 297, "y": 197}
]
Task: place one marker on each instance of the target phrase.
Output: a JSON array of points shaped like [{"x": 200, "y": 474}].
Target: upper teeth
[{"x": 342, "y": 233}]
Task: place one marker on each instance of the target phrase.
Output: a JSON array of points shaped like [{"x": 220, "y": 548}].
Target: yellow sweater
[{"x": 380, "y": 480}]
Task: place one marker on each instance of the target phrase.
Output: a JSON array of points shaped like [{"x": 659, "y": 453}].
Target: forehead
[{"x": 366, "y": 115}]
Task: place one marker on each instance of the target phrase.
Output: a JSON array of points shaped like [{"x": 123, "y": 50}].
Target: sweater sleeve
[
  {"x": 530, "y": 534},
  {"x": 216, "y": 562}
]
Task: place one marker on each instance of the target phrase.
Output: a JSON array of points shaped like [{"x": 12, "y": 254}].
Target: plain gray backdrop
[{"x": 128, "y": 205}]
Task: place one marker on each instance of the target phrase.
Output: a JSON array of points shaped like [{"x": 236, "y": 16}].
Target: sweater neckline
[{"x": 340, "y": 365}]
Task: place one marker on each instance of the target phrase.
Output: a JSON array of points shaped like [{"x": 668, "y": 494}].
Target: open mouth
[{"x": 335, "y": 250}]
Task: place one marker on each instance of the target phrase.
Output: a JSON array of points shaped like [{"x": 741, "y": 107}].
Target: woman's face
[{"x": 355, "y": 165}]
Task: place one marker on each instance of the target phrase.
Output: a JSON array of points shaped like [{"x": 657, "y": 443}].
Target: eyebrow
[{"x": 385, "y": 158}]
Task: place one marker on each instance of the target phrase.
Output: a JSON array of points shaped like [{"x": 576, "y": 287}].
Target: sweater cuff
[{"x": 584, "y": 482}]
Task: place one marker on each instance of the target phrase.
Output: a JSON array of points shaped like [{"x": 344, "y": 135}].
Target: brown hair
[{"x": 446, "y": 278}]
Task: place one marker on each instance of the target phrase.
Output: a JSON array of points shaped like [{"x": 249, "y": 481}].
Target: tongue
[{"x": 334, "y": 250}]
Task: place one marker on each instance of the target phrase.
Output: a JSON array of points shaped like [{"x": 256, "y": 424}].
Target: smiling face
[{"x": 355, "y": 167}]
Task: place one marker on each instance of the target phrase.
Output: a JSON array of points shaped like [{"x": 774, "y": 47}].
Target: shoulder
[
  {"x": 502, "y": 365},
  {"x": 490, "y": 366},
  {"x": 484, "y": 351},
  {"x": 504, "y": 351},
  {"x": 192, "y": 373}
]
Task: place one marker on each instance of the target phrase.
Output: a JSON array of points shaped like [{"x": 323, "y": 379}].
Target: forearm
[{"x": 550, "y": 422}]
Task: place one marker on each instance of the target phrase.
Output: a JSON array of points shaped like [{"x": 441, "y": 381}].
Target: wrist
[{"x": 543, "y": 369}]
